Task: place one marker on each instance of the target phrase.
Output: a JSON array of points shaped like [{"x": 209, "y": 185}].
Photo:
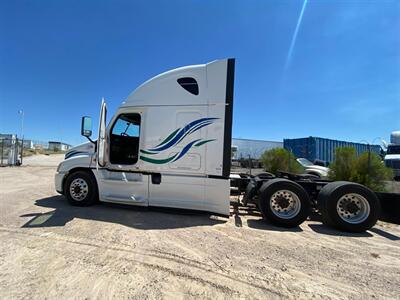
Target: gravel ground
[{"x": 51, "y": 250}]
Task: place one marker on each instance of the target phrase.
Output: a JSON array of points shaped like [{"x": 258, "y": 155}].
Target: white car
[{"x": 312, "y": 169}]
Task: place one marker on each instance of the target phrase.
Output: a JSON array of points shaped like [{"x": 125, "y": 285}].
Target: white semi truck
[
  {"x": 392, "y": 157},
  {"x": 169, "y": 145}
]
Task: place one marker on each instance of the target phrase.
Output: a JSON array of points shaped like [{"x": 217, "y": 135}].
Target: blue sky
[{"x": 58, "y": 58}]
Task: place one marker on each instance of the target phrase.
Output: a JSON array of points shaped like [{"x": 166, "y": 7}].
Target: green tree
[
  {"x": 342, "y": 166},
  {"x": 279, "y": 159},
  {"x": 367, "y": 168}
]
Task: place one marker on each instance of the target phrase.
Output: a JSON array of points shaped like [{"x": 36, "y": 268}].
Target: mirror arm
[{"x": 93, "y": 142}]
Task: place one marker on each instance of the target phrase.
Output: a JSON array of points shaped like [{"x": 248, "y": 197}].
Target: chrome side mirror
[{"x": 86, "y": 126}]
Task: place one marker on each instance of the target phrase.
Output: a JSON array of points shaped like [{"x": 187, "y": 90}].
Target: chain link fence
[{"x": 11, "y": 151}]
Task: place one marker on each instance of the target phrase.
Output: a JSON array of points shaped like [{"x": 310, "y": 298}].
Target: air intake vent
[{"x": 189, "y": 84}]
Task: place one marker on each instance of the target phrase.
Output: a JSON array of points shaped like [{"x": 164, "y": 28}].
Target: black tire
[
  {"x": 328, "y": 200},
  {"x": 270, "y": 188},
  {"x": 84, "y": 180}
]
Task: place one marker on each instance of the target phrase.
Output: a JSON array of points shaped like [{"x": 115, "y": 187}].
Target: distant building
[
  {"x": 28, "y": 144},
  {"x": 245, "y": 148},
  {"x": 58, "y": 146},
  {"x": 40, "y": 144}
]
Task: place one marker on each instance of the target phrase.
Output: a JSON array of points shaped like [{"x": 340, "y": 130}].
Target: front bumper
[{"x": 58, "y": 182}]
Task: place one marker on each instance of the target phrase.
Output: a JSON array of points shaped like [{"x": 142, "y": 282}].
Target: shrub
[
  {"x": 342, "y": 166},
  {"x": 372, "y": 174},
  {"x": 366, "y": 169},
  {"x": 279, "y": 159}
]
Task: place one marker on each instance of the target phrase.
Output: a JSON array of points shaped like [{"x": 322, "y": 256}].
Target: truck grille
[{"x": 393, "y": 163}]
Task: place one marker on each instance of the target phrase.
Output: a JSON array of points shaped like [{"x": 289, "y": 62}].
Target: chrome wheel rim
[
  {"x": 78, "y": 189},
  {"x": 353, "y": 208},
  {"x": 285, "y": 204}
]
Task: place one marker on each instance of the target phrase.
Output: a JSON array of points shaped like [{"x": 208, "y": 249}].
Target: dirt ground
[{"x": 51, "y": 250}]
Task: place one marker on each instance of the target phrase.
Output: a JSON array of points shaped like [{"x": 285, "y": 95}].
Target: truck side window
[
  {"x": 189, "y": 84},
  {"x": 124, "y": 139}
]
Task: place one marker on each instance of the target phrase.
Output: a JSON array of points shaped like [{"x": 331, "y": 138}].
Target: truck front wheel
[
  {"x": 284, "y": 202},
  {"x": 81, "y": 188}
]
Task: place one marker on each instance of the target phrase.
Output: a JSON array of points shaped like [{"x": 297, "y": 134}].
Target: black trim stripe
[
  {"x": 130, "y": 171},
  {"x": 168, "y": 174},
  {"x": 217, "y": 177},
  {"x": 74, "y": 153},
  {"x": 230, "y": 76}
]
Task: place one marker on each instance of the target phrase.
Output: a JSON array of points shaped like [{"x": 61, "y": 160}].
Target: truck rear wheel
[
  {"x": 81, "y": 189},
  {"x": 284, "y": 202},
  {"x": 348, "y": 206}
]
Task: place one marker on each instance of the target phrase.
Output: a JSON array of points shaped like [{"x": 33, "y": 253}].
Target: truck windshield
[
  {"x": 305, "y": 162},
  {"x": 393, "y": 149}
]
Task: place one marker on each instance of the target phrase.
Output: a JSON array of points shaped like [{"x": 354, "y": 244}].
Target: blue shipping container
[{"x": 314, "y": 148}]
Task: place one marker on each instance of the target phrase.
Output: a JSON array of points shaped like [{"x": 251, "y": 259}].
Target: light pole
[
  {"x": 383, "y": 145},
  {"x": 377, "y": 138},
  {"x": 382, "y": 141},
  {"x": 22, "y": 114}
]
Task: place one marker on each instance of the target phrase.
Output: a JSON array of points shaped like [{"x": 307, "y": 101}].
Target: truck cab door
[
  {"x": 119, "y": 181},
  {"x": 101, "y": 141}
]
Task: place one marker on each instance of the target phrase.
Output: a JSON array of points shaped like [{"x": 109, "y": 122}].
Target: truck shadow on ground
[
  {"x": 238, "y": 211},
  {"x": 261, "y": 224},
  {"x": 323, "y": 229},
  {"x": 130, "y": 216},
  {"x": 168, "y": 218}
]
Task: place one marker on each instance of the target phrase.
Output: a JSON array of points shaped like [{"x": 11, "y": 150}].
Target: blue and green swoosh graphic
[{"x": 175, "y": 138}]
